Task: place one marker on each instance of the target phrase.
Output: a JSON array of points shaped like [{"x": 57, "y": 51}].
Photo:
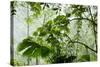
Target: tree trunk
[
  {"x": 11, "y": 35},
  {"x": 37, "y": 61}
]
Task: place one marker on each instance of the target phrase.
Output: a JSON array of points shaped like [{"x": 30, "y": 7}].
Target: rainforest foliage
[{"x": 56, "y": 33}]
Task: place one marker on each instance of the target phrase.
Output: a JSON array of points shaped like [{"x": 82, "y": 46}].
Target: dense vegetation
[{"x": 64, "y": 34}]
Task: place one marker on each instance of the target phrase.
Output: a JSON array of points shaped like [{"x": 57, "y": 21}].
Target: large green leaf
[
  {"x": 45, "y": 51},
  {"x": 29, "y": 52},
  {"x": 85, "y": 58},
  {"x": 24, "y": 44},
  {"x": 36, "y": 53},
  {"x": 33, "y": 49},
  {"x": 27, "y": 42}
]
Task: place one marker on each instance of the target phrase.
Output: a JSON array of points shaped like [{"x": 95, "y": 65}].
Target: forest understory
[{"x": 52, "y": 33}]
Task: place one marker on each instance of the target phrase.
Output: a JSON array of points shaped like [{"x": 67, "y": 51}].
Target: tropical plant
[{"x": 67, "y": 33}]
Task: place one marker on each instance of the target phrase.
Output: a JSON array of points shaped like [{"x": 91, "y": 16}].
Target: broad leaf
[{"x": 85, "y": 58}]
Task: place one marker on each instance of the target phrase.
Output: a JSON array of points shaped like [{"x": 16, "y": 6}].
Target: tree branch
[
  {"x": 81, "y": 19},
  {"x": 94, "y": 25},
  {"x": 84, "y": 45},
  {"x": 81, "y": 44}
]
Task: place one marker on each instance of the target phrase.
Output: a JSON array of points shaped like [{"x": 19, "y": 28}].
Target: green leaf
[
  {"x": 68, "y": 14},
  {"x": 36, "y": 53},
  {"x": 61, "y": 19},
  {"x": 47, "y": 5},
  {"x": 55, "y": 9},
  {"x": 51, "y": 39},
  {"x": 67, "y": 29},
  {"x": 44, "y": 51},
  {"x": 85, "y": 58},
  {"x": 70, "y": 59},
  {"x": 29, "y": 52},
  {"x": 29, "y": 20},
  {"x": 23, "y": 45},
  {"x": 42, "y": 31},
  {"x": 13, "y": 5},
  {"x": 33, "y": 49},
  {"x": 35, "y": 7},
  {"x": 50, "y": 22},
  {"x": 35, "y": 33}
]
